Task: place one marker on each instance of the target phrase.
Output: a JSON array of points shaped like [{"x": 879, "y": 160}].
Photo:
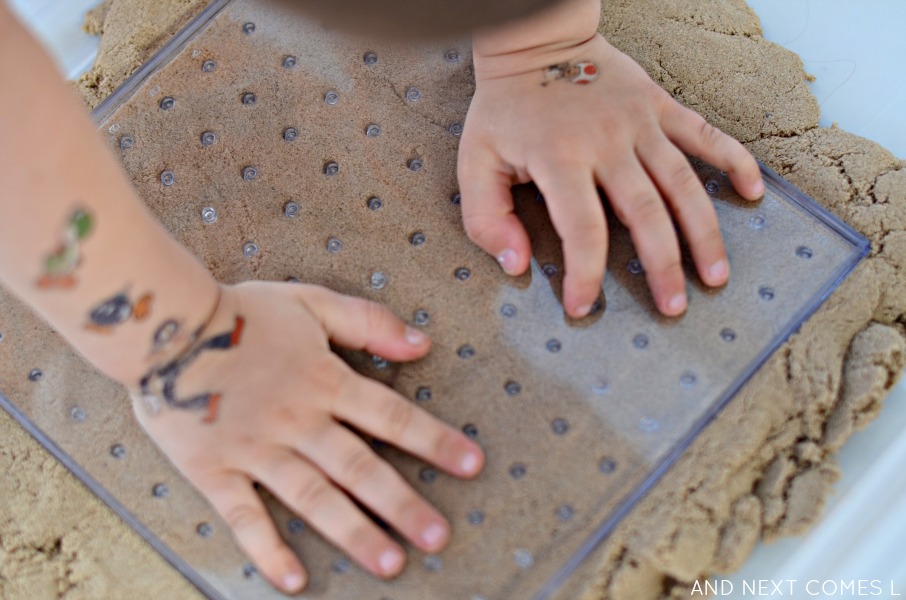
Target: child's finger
[
  {"x": 638, "y": 205},
  {"x": 360, "y": 324},
  {"x": 234, "y": 498},
  {"x": 356, "y": 468},
  {"x": 487, "y": 211},
  {"x": 309, "y": 494},
  {"x": 691, "y": 205},
  {"x": 578, "y": 216},
  {"x": 379, "y": 411},
  {"x": 692, "y": 133}
]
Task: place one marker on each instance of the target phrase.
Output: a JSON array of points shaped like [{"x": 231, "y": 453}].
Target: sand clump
[{"x": 763, "y": 469}]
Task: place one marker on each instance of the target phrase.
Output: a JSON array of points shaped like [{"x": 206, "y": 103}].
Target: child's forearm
[
  {"x": 76, "y": 243},
  {"x": 537, "y": 41}
]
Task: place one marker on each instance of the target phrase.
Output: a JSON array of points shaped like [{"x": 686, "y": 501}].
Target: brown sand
[{"x": 762, "y": 469}]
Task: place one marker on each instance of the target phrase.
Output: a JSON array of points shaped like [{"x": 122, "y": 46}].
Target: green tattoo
[{"x": 60, "y": 265}]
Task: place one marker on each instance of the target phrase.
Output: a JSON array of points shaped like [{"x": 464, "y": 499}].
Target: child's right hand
[{"x": 282, "y": 422}]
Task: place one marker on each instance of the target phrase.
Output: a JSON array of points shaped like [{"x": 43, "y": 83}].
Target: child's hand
[
  {"x": 620, "y": 132},
  {"x": 281, "y": 420}
]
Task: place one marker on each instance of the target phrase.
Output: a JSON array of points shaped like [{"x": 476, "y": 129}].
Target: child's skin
[{"x": 237, "y": 384}]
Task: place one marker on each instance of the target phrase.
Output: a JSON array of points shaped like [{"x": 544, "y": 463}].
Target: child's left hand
[{"x": 620, "y": 132}]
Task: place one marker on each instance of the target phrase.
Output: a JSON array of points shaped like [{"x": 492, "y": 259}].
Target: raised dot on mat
[
  {"x": 413, "y": 94},
  {"x": 1, "y": 336},
  {"x": 804, "y": 252},
  {"x": 560, "y": 426},
  {"x": 524, "y": 558},
  {"x": 380, "y": 363},
  {"x": 290, "y": 134},
  {"x": 712, "y": 187},
  {"x": 607, "y": 465},
  {"x": 378, "y": 280},
  {"x": 167, "y": 102},
  {"x": 373, "y": 130},
  {"x": 249, "y": 173},
  {"x": 508, "y": 310},
  {"x": 432, "y": 563},
  {"x": 78, "y": 414},
  {"x": 423, "y": 394},
  {"x": 248, "y": 28},
  {"x": 295, "y": 526},
  {"x": 428, "y": 475},
  {"x": 462, "y": 274},
  {"x": 634, "y": 266},
  {"x": 414, "y": 165},
  {"x": 334, "y": 245},
  {"x": 331, "y": 98},
  {"x": 640, "y": 341},
  {"x": 465, "y": 351},
  {"x": 370, "y": 58},
  {"x": 512, "y": 388},
  {"x": 648, "y": 425},
  {"x": 471, "y": 430},
  {"x": 475, "y": 517},
  {"x": 117, "y": 451},
  {"x": 167, "y": 178},
  {"x": 565, "y": 512},
  {"x": 375, "y": 203},
  {"x": 249, "y": 98},
  {"x": 291, "y": 210},
  {"x": 452, "y": 56},
  {"x": 417, "y": 239},
  {"x": 766, "y": 293},
  {"x": 456, "y": 199},
  {"x": 727, "y": 334},
  {"x": 421, "y": 317},
  {"x": 455, "y": 129},
  {"x": 204, "y": 530},
  {"x": 208, "y": 66},
  {"x": 208, "y": 138},
  {"x": 340, "y": 566},
  {"x": 250, "y": 249},
  {"x": 756, "y": 222},
  {"x": 553, "y": 345},
  {"x": 331, "y": 168},
  {"x": 289, "y": 61},
  {"x": 601, "y": 388},
  {"x": 517, "y": 471},
  {"x": 160, "y": 490},
  {"x": 688, "y": 380},
  {"x": 126, "y": 142},
  {"x": 549, "y": 270},
  {"x": 249, "y": 570}
]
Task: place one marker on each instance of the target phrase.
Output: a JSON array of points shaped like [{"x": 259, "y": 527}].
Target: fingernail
[
  {"x": 415, "y": 337},
  {"x": 758, "y": 189},
  {"x": 718, "y": 271},
  {"x": 434, "y": 534},
  {"x": 507, "y": 260},
  {"x": 469, "y": 462},
  {"x": 677, "y": 303},
  {"x": 292, "y": 581},
  {"x": 583, "y": 310},
  {"x": 390, "y": 561}
]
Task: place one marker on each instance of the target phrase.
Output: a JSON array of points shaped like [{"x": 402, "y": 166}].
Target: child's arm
[
  {"x": 242, "y": 376},
  {"x": 619, "y": 131}
]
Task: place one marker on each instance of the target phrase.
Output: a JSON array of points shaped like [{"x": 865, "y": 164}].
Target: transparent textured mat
[{"x": 277, "y": 150}]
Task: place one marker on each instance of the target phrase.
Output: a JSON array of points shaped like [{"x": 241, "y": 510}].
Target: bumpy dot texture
[{"x": 621, "y": 566}]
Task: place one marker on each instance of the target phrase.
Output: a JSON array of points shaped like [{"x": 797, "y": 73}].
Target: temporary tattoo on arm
[
  {"x": 160, "y": 381},
  {"x": 60, "y": 265},
  {"x": 581, "y": 72},
  {"x": 166, "y": 335},
  {"x": 118, "y": 309}
]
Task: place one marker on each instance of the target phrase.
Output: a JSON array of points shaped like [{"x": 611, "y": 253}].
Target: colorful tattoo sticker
[
  {"x": 117, "y": 310},
  {"x": 160, "y": 382},
  {"x": 60, "y": 265},
  {"x": 581, "y": 73}
]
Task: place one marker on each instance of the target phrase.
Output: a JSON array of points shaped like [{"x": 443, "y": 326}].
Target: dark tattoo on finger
[
  {"x": 61, "y": 264},
  {"x": 160, "y": 381},
  {"x": 582, "y": 73}
]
